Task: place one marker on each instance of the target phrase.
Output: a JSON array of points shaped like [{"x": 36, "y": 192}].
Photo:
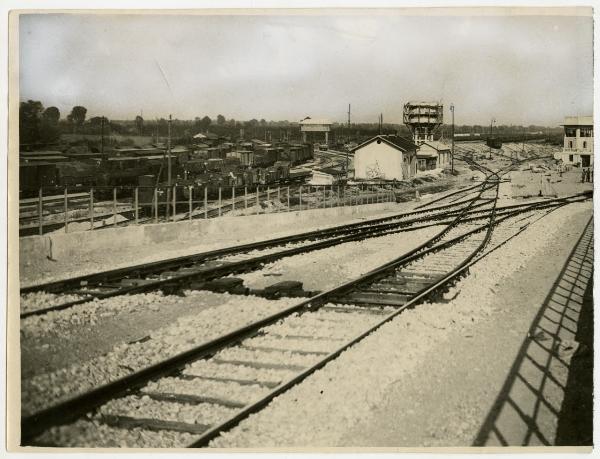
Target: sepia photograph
[{"x": 301, "y": 229}]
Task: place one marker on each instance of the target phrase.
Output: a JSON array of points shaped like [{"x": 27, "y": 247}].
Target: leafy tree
[
  {"x": 202, "y": 124},
  {"x": 49, "y": 131},
  {"x": 77, "y": 116},
  {"x": 51, "y": 115},
  {"x": 263, "y": 122},
  {"x": 220, "y": 120},
  {"x": 30, "y": 113},
  {"x": 139, "y": 124},
  {"x": 205, "y": 122}
]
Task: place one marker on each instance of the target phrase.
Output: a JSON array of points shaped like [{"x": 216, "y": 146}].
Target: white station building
[{"x": 385, "y": 157}]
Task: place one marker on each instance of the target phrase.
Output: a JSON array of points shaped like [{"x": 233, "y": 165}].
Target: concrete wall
[{"x": 60, "y": 246}]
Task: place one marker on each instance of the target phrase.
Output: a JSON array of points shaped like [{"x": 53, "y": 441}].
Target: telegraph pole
[
  {"x": 452, "y": 156},
  {"x": 169, "y": 166},
  {"x": 347, "y": 152},
  {"x": 102, "y": 137},
  {"x": 169, "y": 154},
  {"x": 491, "y": 135}
]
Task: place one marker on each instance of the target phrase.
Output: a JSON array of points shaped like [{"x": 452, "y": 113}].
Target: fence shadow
[{"x": 529, "y": 407}]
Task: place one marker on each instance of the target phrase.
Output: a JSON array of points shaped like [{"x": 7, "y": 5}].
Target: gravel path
[{"x": 356, "y": 399}]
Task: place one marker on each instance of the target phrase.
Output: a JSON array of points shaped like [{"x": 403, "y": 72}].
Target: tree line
[{"x": 40, "y": 125}]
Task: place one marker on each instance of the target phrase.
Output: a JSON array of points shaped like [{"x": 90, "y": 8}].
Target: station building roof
[
  {"x": 397, "y": 142},
  {"x": 433, "y": 146}
]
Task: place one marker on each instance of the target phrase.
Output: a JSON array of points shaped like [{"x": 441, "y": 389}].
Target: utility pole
[
  {"x": 169, "y": 154},
  {"x": 491, "y": 132},
  {"x": 102, "y": 137},
  {"x": 347, "y": 152},
  {"x": 169, "y": 167},
  {"x": 452, "y": 155},
  {"x": 348, "y": 122}
]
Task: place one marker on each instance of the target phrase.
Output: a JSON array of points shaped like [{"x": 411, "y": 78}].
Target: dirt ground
[{"x": 527, "y": 184}]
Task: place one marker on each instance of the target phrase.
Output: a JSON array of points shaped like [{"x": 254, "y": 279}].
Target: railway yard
[{"x": 317, "y": 327}]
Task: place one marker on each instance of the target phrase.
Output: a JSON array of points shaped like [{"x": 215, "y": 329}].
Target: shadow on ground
[{"x": 547, "y": 396}]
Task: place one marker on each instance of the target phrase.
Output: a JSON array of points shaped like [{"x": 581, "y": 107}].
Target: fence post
[
  {"x": 300, "y": 202},
  {"x": 338, "y": 195},
  {"x": 174, "y": 201},
  {"x": 205, "y": 202},
  {"x": 41, "y": 211},
  {"x": 220, "y": 201},
  {"x": 66, "y": 212},
  {"x": 91, "y": 208},
  {"x": 155, "y": 205},
  {"x": 331, "y": 196},
  {"x": 288, "y": 198},
  {"x": 232, "y": 198},
  {"x": 278, "y": 197},
  {"x": 191, "y": 201},
  {"x": 257, "y": 201},
  {"x": 268, "y": 195},
  {"x": 167, "y": 201},
  {"x": 136, "y": 192},
  {"x": 115, "y": 206},
  {"x": 245, "y": 198}
]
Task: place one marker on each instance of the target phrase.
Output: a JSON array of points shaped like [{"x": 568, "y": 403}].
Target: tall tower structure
[{"x": 423, "y": 118}]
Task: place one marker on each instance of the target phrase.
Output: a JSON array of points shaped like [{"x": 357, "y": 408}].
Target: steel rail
[
  {"x": 263, "y": 401},
  {"x": 79, "y": 405},
  {"x": 76, "y": 406},
  {"x": 248, "y": 264},
  {"x": 194, "y": 258},
  {"x": 215, "y": 431}
]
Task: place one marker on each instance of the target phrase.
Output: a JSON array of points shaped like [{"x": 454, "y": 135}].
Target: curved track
[{"x": 241, "y": 372}]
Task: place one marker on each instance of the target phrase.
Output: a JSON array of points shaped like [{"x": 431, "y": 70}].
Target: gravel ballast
[
  {"x": 328, "y": 268},
  {"x": 46, "y": 389},
  {"x": 325, "y": 408}
]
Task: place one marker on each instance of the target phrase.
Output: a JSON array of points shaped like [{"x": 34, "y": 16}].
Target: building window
[
  {"x": 570, "y": 132},
  {"x": 586, "y": 132},
  {"x": 570, "y": 158},
  {"x": 584, "y": 144},
  {"x": 570, "y": 144}
]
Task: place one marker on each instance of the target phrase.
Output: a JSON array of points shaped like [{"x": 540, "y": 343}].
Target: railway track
[
  {"x": 191, "y": 271},
  {"x": 197, "y": 271},
  {"x": 191, "y": 398}
]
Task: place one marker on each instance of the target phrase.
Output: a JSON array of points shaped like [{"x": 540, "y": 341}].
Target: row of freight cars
[{"x": 268, "y": 165}]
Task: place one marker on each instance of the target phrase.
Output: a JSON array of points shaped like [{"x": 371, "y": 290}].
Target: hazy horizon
[{"x": 521, "y": 70}]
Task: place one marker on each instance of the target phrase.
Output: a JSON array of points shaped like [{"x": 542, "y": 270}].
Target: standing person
[{"x": 582, "y": 175}]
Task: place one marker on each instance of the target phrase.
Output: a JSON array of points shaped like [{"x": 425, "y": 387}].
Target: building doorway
[{"x": 585, "y": 160}]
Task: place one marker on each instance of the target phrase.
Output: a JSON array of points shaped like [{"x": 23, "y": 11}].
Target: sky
[{"x": 523, "y": 69}]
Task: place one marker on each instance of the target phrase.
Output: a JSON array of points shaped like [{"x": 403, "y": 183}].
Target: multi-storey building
[{"x": 578, "y": 148}]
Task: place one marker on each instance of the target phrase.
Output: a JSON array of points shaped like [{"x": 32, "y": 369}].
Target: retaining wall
[{"x": 63, "y": 245}]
